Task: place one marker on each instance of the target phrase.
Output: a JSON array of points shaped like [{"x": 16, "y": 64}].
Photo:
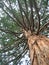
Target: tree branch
[
  {"x": 26, "y": 6},
  {"x": 43, "y": 26},
  {"x": 10, "y": 32},
  {"x": 36, "y": 8},
  {"x": 12, "y": 12},
  {"x": 32, "y": 20},
  {"x": 25, "y": 27},
  {"x": 16, "y": 16},
  {"x": 25, "y": 1},
  {"x": 11, "y": 17},
  {"x": 15, "y": 45},
  {"x": 18, "y": 57},
  {"x": 28, "y": 22}
]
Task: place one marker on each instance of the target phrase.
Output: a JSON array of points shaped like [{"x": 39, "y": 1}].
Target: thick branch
[
  {"x": 26, "y": 6},
  {"x": 32, "y": 20},
  {"x": 25, "y": 27},
  {"x": 25, "y": 1},
  {"x": 36, "y": 8},
  {"x": 43, "y": 26},
  {"x": 24, "y": 13}
]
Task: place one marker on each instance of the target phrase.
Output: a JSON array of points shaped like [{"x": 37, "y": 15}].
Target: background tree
[{"x": 24, "y": 26}]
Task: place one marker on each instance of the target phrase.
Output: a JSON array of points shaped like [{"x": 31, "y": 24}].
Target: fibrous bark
[{"x": 39, "y": 49}]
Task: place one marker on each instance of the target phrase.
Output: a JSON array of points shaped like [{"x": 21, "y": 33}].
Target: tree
[{"x": 23, "y": 26}]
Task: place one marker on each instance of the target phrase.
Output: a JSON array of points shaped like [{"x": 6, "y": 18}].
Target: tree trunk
[{"x": 39, "y": 49}]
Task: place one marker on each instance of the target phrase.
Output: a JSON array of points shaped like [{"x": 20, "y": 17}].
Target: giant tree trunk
[{"x": 38, "y": 48}]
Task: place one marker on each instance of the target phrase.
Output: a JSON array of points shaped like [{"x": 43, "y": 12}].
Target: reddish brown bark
[{"x": 39, "y": 49}]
